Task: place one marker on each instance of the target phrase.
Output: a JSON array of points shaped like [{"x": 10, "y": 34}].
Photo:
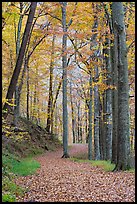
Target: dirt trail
[{"x": 62, "y": 180}]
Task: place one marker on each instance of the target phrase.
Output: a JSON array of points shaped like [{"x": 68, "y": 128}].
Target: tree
[
  {"x": 72, "y": 113},
  {"x": 64, "y": 67},
  {"x": 96, "y": 95},
  {"x": 90, "y": 118},
  {"x": 114, "y": 64},
  {"x": 50, "y": 101},
  {"x": 108, "y": 103},
  {"x": 16, "y": 108},
  {"x": 112, "y": 78},
  {"x": 14, "y": 79},
  {"x": 123, "y": 88}
]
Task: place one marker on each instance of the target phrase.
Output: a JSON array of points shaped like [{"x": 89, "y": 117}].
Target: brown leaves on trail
[{"x": 62, "y": 180}]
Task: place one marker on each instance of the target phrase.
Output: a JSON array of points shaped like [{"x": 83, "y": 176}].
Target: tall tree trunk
[
  {"x": 100, "y": 129},
  {"x": 16, "y": 72},
  {"x": 16, "y": 108},
  {"x": 28, "y": 90},
  {"x": 54, "y": 103},
  {"x": 103, "y": 118},
  {"x": 81, "y": 129},
  {"x": 64, "y": 66},
  {"x": 90, "y": 119},
  {"x": 38, "y": 118},
  {"x": 114, "y": 73},
  {"x": 34, "y": 104},
  {"x": 114, "y": 108},
  {"x": 108, "y": 103},
  {"x": 92, "y": 44},
  {"x": 31, "y": 105},
  {"x": 72, "y": 113},
  {"x": 50, "y": 100},
  {"x": 78, "y": 107},
  {"x": 56, "y": 120},
  {"x": 96, "y": 118},
  {"x": 57, "y": 93},
  {"x": 123, "y": 142},
  {"x": 86, "y": 122},
  {"x": 96, "y": 92}
]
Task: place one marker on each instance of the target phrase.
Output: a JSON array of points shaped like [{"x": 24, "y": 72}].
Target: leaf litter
[{"x": 63, "y": 180}]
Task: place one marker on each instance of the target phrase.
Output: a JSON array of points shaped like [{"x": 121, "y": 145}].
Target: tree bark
[
  {"x": 81, "y": 128},
  {"x": 103, "y": 118},
  {"x": 92, "y": 44},
  {"x": 64, "y": 66},
  {"x": 100, "y": 129},
  {"x": 17, "y": 103},
  {"x": 90, "y": 119},
  {"x": 28, "y": 89},
  {"x": 50, "y": 100},
  {"x": 123, "y": 88},
  {"x": 108, "y": 103},
  {"x": 86, "y": 122},
  {"x": 72, "y": 113},
  {"x": 96, "y": 95},
  {"x": 114, "y": 73},
  {"x": 78, "y": 107},
  {"x": 96, "y": 118}
]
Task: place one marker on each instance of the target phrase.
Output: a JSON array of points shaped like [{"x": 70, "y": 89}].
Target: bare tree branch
[{"x": 133, "y": 42}]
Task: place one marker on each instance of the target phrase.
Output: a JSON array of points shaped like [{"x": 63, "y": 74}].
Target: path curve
[{"x": 62, "y": 180}]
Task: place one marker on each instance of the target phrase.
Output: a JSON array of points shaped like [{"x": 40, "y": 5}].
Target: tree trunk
[
  {"x": 90, "y": 119},
  {"x": 103, "y": 125},
  {"x": 94, "y": 56},
  {"x": 64, "y": 66},
  {"x": 50, "y": 101},
  {"x": 16, "y": 108},
  {"x": 96, "y": 118},
  {"x": 28, "y": 91},
  {"x": 108, "y": 103},
  {"x": 100, "y": 130},
  {"x": 86, "y": 122},
  {"x": 81, "y": 129},
  {"x": 72, "y": 113},
  {"x": 31, "y": 105},
  {"x": 92, "y": 44},
  {"x": 78, "y": 107},
  {"x": 56, "y": 120},
  {"x": 17, "y": 103},
  {"x": 38, "y": 118},
  {"x": 57, "y": 93},
  {"x": 114, "y": 73},
  {"x": 123, "y": 88},
  {"x": 15, "y": 76},
  {"x": 114, "y": 93}
]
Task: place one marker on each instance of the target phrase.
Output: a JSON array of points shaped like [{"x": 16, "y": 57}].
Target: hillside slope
[{"x": 27, "y": 139}]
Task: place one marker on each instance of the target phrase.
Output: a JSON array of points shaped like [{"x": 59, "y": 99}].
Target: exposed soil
[{"x": 63, "y": 180}]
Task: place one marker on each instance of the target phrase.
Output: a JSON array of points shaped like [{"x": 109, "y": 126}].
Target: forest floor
[{"x": 64, "y": 180}]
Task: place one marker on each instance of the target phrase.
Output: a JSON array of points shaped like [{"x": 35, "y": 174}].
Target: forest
[{"x": 68, "y": 101}]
